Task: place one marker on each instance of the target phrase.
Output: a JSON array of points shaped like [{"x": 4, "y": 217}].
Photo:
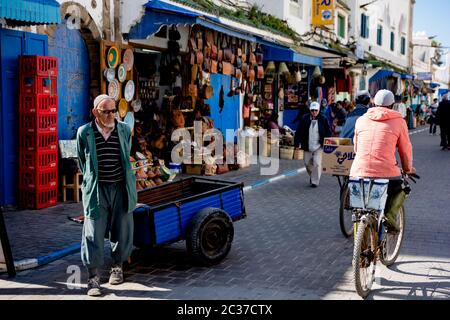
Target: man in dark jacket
[
  {"x": 443, "y": 118},
  {"x": 310, "y": 135},
  {"x": 362, "y": 105}
]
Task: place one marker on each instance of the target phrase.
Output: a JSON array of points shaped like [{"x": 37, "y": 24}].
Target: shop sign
[
  {"x": 424, "y": 76},
  {"x": 322, "y": 12}
]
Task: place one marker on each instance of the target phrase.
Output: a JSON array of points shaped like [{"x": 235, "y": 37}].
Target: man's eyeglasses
[
  {"x": 107, "y": 111},
  {"x": 314, "y": 110}
]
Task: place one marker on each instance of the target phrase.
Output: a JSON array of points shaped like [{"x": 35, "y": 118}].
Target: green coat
[{"x": 87, "y": 157}]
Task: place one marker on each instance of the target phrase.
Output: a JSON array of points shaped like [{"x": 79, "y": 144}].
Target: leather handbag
[
  {"x": 193, "y": 90},
  {"x": 194, "y": 72},
  {"x": 251, "y": 74},
  {"x": 227, "y": 54},
  {"x": 220, "y": 55},
  {"x": 192, "y": 58},
  {"x": 199, "y": 57},
  {"x": 260, "y": 74},
  {"x": 245, "y": 70},
  {"x": 214, "y": 52},
  {"x": 239, "y": 74},
  {"x": 214, "y": 66},
  {"x": 259, "y": 58},
  {"x": 227, "y": 68},
  {"x": 252, "y": 59}
]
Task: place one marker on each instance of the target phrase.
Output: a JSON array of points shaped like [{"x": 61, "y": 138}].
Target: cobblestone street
[{"x": 290, "y": 247}]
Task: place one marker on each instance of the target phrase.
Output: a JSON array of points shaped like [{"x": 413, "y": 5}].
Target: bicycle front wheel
[
  {"x": 391, "y": 243},
  {"x": 345, "y": 214},
  {"x": 364, "y": 257}
]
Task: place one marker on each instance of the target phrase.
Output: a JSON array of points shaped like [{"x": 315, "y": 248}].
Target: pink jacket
[{"x": 377, "y": 135}]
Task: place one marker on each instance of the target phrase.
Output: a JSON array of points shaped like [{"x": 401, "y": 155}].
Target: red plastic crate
[
  {"x": 39, "y": 66},
  {"x": 38, "y": 160},
  {"x": 38, "y": 85},
  {"x": 40, "y": 103},
  {"x": 38, "y": 141},
  {"x": 38, "y": 122},
  {"x": 38, "y": 179},
  {"x": 38, "y": 199}
]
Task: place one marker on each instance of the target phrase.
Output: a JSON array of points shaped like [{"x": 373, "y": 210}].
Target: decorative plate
[
  {"x": 137, "y": 105},
  {"x": 128, "y": 59},
  {"x": 109, "y": 74},
  {"x": 113, "y": 57},
  {"x": 114, "y": 89},
  {"x": 122, "y": 72},
  {"x": 123, "y": 108},
  {"x": 129, "y": 91}
]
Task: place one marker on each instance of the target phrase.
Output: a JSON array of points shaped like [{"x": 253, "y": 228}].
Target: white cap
[
  {"x": 314, "y": 106},
  {"x": 384, "y": 98},
  {"x": 100, "y": 99},
  {"x": 362, "y": 93}
]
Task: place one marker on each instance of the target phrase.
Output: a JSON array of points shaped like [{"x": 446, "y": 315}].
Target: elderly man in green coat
[{"x": 109, "y": 191}]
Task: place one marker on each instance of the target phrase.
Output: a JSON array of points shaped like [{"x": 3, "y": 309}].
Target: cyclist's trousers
[{"x": 396, "y": 198}]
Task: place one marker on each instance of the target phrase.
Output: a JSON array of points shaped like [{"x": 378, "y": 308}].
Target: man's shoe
[
  {"x": 390, "y": 229},
  {"x": 116, "y": 276},
  {"x": 314, "y": 185},
  {"x": 93, "y": 287}
]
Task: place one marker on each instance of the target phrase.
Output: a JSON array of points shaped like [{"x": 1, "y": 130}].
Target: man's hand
[{"x": 412, "y": 172}]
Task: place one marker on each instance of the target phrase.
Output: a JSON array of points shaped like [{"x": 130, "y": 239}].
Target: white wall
[
  {"x": 132, "y": 12},
  {"x": 393, "y": 16},
  {"x": 96, "y": 14}
]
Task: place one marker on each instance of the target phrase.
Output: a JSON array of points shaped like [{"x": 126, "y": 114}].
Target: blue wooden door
[
  {"x": 13, "y": 44},
  {"x": 229, "y": 117},
  {"x": 73, "y": 80}
]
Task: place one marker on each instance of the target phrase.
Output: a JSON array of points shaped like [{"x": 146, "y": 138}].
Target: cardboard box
[
  {"x": 194, "y": 169},
  {"x": 337, "y": 159},
  {"x": 338, "y": 141}
]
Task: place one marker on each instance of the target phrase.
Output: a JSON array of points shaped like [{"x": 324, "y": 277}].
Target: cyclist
[{"x": 378, "y": 134}]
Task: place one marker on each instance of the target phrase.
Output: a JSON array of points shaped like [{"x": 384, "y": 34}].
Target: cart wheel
[{"x": 210, "y": 236}]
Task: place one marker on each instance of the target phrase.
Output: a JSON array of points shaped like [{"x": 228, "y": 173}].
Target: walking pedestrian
[
  {"x": 313, "y": 129},
  {"x": 432, "y": 111},
  {"x": 109, "y": 192},
  {"x": 363, "y": 100},
  {"x": 443, "y": 117}
]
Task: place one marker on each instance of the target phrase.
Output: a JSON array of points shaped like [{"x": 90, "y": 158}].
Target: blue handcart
[{"x": 198, "y": 210}]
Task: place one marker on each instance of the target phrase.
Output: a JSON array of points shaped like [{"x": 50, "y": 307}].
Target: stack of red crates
[{"x": 38, "y": 136}]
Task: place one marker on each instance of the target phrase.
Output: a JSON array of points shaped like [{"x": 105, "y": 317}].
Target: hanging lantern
[
  {"x": 304, "y": 73},
  {"x": 283, "y": 69},
  {"x": 298, "y": 76},
  {"x": 270, "y": 67},
  {"x": 317, "y": 73}
]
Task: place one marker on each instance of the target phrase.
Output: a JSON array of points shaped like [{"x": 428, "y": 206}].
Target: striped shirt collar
[{"x": 105, "y": 134}]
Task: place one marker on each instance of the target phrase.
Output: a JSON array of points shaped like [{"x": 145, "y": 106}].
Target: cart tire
[{"x": 209, "y": 236}]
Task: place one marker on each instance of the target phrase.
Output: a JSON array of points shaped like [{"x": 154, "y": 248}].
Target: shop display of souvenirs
[
  {"x": 122, "y": 73},
  {"x": 148, "y": 173},
  {"x": 113, "y": 57},
  {"x": 128, "y": 59},
  {"x": 114, "y": 89},
  {"x": 129, "y": 90},
  {"x": 109, "y": 74}
]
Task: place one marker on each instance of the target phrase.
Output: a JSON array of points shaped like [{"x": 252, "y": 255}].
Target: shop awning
[
  {"x": 285, "y": 54},
  {"x": 389, "y": 73},
  {"x": 160, "y": 13},
  {"x": 30, "y": 12}
]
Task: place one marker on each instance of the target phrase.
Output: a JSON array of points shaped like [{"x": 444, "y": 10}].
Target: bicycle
[
  {"x": 345, "y": 211},
  {"x": 372, "y": 241}
]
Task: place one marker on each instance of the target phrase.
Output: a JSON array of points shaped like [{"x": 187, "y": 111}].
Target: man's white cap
[
  {"x": 100, "y": 99},
  {"x": 314, "y": 106},
  {"x": 362, "y": 93},
  {"x": 384, "y": 98}
]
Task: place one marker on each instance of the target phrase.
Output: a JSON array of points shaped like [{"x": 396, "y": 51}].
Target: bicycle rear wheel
[
  {"x": 345, "y": 214},
  {"x": 364, "y": 257},
  {"x": 391, "y": 243}
]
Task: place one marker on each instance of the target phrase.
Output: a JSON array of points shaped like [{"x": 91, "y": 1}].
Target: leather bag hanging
[
  {"x": 194, "y": 71},
  {"x": 251, "y": 74},
  {"x": 227, "y": 68},
  {"x": 260, "y": 74},
  {"x": 199, "y": 57},
  {"x": 253, "y": 59},
  {"x": 214, "y": 66}
]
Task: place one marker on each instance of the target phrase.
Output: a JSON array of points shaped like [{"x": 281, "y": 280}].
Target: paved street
[{"x": 289, "y": 247}]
